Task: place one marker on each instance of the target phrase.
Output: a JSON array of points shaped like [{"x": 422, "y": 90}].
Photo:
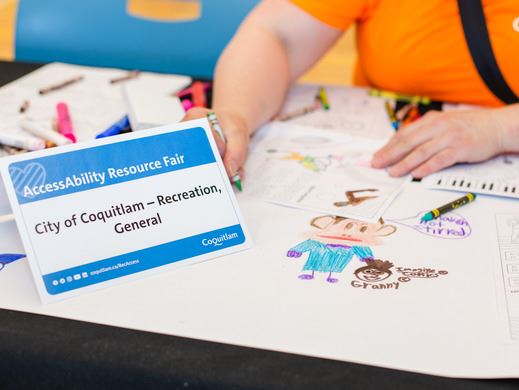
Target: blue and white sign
[{"x": 96, "y": 213}]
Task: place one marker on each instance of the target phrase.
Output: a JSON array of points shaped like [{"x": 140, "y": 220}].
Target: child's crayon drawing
[
  {"x": 314, "y": 164},
  {"x": 374, "y": 271},
  {"x": 353, "y": 198},
  {"x": 448, "y": 226},
  {"x": 336, "y": 241},
  {"x": 380, "y": 275}
]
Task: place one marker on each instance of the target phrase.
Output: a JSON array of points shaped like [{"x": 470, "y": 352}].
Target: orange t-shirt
[{"x": 418, "y": 47}]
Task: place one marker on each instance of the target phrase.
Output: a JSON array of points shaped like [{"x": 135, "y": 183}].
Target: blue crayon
[{"x": 117, "y": 128}]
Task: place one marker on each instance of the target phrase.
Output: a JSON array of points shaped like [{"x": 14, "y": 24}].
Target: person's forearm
[
  {"x": 275, "y": 45},
  {"x": 251, "y": 80},
  {"x": 509, "y": 120}
]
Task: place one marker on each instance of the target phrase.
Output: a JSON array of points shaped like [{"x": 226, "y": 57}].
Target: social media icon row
[{"x": 69, "y": 279}]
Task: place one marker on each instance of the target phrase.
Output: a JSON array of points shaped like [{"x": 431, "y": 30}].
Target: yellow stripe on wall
[
  {"x": 165, "y": 10},
  {"x": 7, "y": 28}
]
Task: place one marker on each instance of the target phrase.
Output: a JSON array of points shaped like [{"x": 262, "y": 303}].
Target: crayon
[
  {"x": 117, "y": 128},
  {"x": 25, "y": 106},
  {"x": 61, "y": 85},
  {"x": 391, "y": 114},
  {"x": 6, "y": 218},
  {"x": 213, "y": 120},
  {"x": 12, "y": 150},
  {"x": 323, "y": 97},
  {"x": 64, "y": 122},
  {"x": 403, "y": 112},
  {"x": 44, "y": 133},
  {"x": 21, "y": 142},
  {"x": 433, "y": 214},
  {"x": 236, "y": 179},
  {"x": 215, "y": 124},
  {"x": 129, "y": 76},
  {"x": 411, "y": 116},
  {"x": 399, "y": 97},
  {"x": 299, "y": 112}
]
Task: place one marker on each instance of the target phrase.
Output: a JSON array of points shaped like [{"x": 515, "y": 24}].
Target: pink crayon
[{"x": 64, "y": 122}]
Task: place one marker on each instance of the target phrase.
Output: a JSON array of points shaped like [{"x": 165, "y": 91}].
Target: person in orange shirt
[{"x": 416, "y": 48}]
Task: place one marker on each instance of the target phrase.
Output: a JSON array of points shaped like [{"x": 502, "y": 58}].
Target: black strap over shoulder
[{"x": 478, "y": 40}]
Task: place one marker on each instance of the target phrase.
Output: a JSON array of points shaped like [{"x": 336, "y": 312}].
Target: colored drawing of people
[{"x": 335, "y": 242}]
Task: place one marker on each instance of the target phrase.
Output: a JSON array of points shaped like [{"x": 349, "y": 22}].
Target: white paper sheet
[
  {"x": 94, "y": 103},
  {"x": 440, "y": 318},
  {"x": 150, "y": 101},
  {"x": 352, "y": 111},
  {"x": 320, "y": 170},
  {"x": 498, "y": 176},
  {"x": 507, "y": 226}
]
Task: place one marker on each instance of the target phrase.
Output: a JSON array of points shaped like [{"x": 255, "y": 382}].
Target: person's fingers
[
  {"x": 407, "y": 139},
  {"x": 418, "y": 156},
  {"x": 220, "y": 143},
  {"x": 443, "y": 159},
  {"x": 200, "y": 112},
  {"x": 195, "y": 113},
  {"x": 233, "y": 148},
  {"x": 241, "y": 172},
  {"x": 236, "y": 150},
  {"x": 400, "y": 146}
]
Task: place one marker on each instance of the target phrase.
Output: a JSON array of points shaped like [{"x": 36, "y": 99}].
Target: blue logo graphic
[{"x": 33, "y": 174}]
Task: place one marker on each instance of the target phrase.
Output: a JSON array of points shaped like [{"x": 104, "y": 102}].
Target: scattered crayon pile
[
  {"x": 405, "y": 108},
  {"x": 62, "y": 131}
]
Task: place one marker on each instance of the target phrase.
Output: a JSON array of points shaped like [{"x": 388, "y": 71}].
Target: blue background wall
[{"x": 102, "y": 33}]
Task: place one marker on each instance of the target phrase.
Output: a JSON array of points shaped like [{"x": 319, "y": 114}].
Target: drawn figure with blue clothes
[{"x": 335, "y": 242}]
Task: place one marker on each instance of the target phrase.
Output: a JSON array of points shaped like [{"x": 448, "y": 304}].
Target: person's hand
[
  {"x": 236, "y": 134},
  {"x": 439, "y": 140}
]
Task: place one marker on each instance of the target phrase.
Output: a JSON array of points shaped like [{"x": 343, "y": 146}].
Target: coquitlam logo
[
  {"x": 218, "y": 241},
  {"x": 33, "y": 174}
]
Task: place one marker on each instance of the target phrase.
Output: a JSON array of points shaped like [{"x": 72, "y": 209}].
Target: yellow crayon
[
  {"x": 391, "y": 114},
  {"x": 323, "y": 97},
  {"x": 399, "y": 97}
]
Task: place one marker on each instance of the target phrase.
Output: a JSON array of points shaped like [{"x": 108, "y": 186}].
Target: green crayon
[{"x": 433, "y": 214}]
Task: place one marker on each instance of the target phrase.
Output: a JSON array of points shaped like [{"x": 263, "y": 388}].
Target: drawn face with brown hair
[
  {"x": 374, "y": 271},
  {"x": 350, "y": 232}
]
